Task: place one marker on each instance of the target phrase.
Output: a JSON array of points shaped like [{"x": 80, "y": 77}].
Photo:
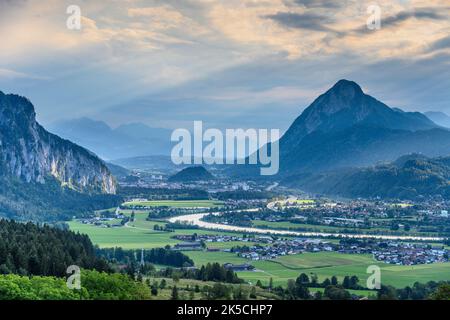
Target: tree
[
  {"x": 354, "y": 282},
  {"x": 346, "y": 282},
  {"x": 302, "y": 279},
  {"x": 253, "y": 293},
  {"x": 387, "y": 293},
  {"x": 334, "y": 281},
  {"x": 174, "y": 295},
  {"x": 326, "y": 283},
  {"x": 442, "y": 293},
  {"x": 239, "y": 293},
  {"x": 318, "y": 295},
  {"x": 162, "y": 284},
  {"x": 314, "y": 280},
  {"x": 336, "y": 293},
  {"x": 270, "y": 283},
  {"x": 301, "y": 292}
]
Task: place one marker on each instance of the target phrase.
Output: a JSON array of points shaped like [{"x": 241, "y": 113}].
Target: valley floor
[{"x": 141, "y": 234}]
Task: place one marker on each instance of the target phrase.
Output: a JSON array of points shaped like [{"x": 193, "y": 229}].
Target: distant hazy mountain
[
  {"x": 129, "y": 140},
  {"x": 191, "y": 174},
  {"x": 118, "y": 171},
  {"x": 148, "y": 163},
  {"x": 345, "y": 127},
  {"x": 440, "y": 118},
  {"x": 409, "y": 177}
]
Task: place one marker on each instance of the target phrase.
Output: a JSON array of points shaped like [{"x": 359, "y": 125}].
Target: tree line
[
  {"x": 163, "y": 256},
  {"x": 30, "y": 249}
]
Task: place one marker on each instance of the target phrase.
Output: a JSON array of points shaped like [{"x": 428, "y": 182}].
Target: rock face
[{"x": 32, "y": 154}]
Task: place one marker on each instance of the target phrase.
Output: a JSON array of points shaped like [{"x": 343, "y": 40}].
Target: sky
[{"x": 231, "y": 64}]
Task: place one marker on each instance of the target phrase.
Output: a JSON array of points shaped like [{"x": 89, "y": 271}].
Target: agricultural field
[
  {"x": 327, "y": 264},
  {"x": 202, "y": 257},
  {"x": 140, "y": 233},
  {"x": 135, "y": 235}
]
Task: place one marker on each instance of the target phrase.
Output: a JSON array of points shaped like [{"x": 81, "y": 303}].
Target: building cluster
[
  {"x": 269, "y": 248},
  {"x": 281, "y": 248},
  {"x": 411, "y": 254}
]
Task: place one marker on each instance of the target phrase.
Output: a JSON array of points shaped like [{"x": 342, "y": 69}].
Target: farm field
[
  {"x": 176, "y": 203},
  {"x": 140, "y": 234},
  {"x": 202, "y": 257},
  {"x": 327, "y": 264},
  {"x": 323, "y": 264}
]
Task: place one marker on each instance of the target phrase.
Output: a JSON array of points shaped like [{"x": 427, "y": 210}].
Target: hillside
[
  {"x": 32, "y": 154},
  {"x": 190, "y": 174},
  {"x": 409, "y": 177},
  {"x": 440, "y": 118},
  {"x": 43, "y": 176}
]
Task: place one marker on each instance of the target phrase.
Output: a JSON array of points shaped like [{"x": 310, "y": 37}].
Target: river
[{"x": 195, "y": 219}]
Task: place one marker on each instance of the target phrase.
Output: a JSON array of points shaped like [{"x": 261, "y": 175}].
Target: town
[{"x": 269, "y": 248}]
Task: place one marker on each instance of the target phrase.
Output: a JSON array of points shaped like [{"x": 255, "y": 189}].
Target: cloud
[
  {"x": 234, "y": 61},
  {"x": 397, "y": 19},
  {"x": 330, "y": 4},
  {"x": 11, "y": 74},
  {"x": 308, "y": 21},
  {"x": 443, "y": 43}
]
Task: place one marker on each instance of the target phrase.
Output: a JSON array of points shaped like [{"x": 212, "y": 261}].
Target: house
[
  {"x": 238, "y": 267},
  {"x": 188, "y": 246}
]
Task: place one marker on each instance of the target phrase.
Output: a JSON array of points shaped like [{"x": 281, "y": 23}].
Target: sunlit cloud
[{"x": 139, "y": 48}]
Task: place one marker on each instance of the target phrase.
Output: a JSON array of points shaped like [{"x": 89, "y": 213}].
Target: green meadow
[
  {"x": 140, "y": 234},
  {"x": 328, "y": 264}
]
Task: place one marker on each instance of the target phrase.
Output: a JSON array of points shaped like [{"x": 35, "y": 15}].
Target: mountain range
[
  {"x": 125, "y": 141},
  {"x": 409, "y": 177},
  {"x": 344, "y": 127}
]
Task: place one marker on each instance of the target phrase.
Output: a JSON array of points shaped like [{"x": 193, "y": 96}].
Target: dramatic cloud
[
  {"x": 234, "y": 63},
  {"x": 403, "y": 16}
]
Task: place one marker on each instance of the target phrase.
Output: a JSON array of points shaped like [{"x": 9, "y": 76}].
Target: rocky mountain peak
[
  {"x": 345, "y": 105},
  {"x": 32, "y": 154}
]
